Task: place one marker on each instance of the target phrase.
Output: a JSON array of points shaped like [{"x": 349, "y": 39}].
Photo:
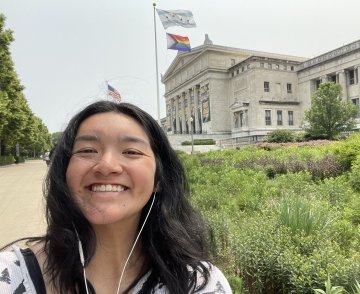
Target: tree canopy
[
  {"x": 18, "y": 124},
  {"x": 329, "y": 115}
]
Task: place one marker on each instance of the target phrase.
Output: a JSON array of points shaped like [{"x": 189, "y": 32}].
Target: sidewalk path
[{"x": 21, "y": 200}]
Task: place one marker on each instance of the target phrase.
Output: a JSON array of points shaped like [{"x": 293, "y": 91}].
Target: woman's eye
[
  {"x": 132, "y": 152},
  {"x": 85, "y": 151}
]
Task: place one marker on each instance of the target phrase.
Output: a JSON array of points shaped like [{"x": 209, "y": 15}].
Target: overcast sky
[{"x": 65, "y": 51}]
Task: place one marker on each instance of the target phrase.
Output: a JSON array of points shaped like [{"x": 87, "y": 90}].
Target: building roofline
[{"x": 343, "y": 50}]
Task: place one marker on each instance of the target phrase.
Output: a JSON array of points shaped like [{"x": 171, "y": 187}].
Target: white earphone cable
[
  {"x": 133, "y": 247},
  {"x": 81, "y": 252}
]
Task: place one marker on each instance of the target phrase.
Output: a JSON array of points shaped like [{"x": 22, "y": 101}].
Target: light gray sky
[{"x": 64, "y": 51}]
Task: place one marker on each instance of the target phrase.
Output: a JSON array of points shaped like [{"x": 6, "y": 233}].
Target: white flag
[{"x": 182, "y": 18}]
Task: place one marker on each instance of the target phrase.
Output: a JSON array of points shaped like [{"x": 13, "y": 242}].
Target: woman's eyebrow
[
  {"x": 133, "y": 139},
  {"x": 86, "y": 138}
]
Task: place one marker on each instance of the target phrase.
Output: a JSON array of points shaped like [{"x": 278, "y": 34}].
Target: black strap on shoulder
[{"x": 34, "y": 270}]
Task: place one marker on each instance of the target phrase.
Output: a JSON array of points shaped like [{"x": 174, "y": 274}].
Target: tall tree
[
  {"x": 18, "y": 124},
  {"x": 329, "y": 115}
]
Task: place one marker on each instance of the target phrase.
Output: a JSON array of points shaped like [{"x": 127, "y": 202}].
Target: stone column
[
  {"x": 190, "y": 108},
  {"x": 172, "y": 115},
  {"x": 177, "y": 114},
  {"x": 168, "y": 115},
  {"x": 357, "y": 77},
  {"x": 196, "y": 108},
  {"x": 342, "y": 82},
  {"x": 183, "y": 117}
]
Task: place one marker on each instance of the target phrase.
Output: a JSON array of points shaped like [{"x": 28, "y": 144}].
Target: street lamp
[{"x": 192, "y": 135}]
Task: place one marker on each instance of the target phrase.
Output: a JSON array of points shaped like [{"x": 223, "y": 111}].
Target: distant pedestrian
[{"x": 46, "y": 157}]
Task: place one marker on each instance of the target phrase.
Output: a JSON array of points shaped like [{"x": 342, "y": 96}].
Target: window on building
[
  {"x": 237, "y": 71},
  {"x": 291, "y": 117},
  {"x": 269, "y": 65},
  {"x": 248, "y": 66},
  {"x": 241, "y": 118},
  {"x": 232, "y": 74},
  {"x": 351, "y": 75},
  {"x": 266, "y": 86},
  {"x": 279, "y": 118},
  {"x": 332, "y": 78},
  {"x": 317, "y": 84},
  {"x": 289, "y": 87},
  {"x": 268, "y": 117},
  {"x": 232, "y": 61},
  {"x": 356, "y": 102},
  {"x": 292, "y": 68}
]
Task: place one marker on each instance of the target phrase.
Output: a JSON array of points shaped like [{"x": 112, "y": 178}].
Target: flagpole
[{"x": 157, "y": 69}]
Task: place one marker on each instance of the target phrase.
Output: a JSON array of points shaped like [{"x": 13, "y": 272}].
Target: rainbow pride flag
[{"x": 177, "y": 42}]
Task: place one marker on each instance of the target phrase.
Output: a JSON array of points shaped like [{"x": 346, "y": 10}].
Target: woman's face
[{"x": 112, "y": 170}]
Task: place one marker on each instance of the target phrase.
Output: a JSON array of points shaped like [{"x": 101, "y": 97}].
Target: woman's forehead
[{"x": 117, "y": 125}]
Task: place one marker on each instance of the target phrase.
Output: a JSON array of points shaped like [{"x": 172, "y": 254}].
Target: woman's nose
[{"x": 108, "y": 163}]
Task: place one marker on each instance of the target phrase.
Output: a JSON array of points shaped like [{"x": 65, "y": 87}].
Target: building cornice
[
  {"x": 279, "y": 102},
  {"x": 192, "y": 79},
  {"x": 344, "y": 50},
  {"x": 200, "y": 50}
]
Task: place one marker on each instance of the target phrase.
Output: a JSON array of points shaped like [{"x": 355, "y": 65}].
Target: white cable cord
[
  {"x": 82, "y": 259},
  {"x": 133, "y": 247}
]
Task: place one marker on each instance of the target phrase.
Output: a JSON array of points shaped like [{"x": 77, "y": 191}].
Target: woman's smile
[{"x": 111, "y": 173}]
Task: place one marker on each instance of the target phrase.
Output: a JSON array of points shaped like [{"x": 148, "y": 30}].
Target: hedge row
[{"x": 6, "y": 160}]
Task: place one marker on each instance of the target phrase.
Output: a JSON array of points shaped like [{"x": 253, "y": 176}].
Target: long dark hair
[{"x": 174, "y": 238}]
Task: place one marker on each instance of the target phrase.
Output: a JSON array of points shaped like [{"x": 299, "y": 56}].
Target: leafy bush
[
  {"x": 352, "y": 211},
  {"x": 335, "y": 190},
  {"x": 272, "y": 261},
  {"x": 280, "y": 136},
  {"x": 348, "y": 151},
  {"x": 199, "y": 142},
  {"x": 5, "y": 160},
  {"x": 282, "y": 220},
  {"x": 326, "y": 167},
  {"x": 19, "y": 159},
  {"x": 354, "y": 176}
]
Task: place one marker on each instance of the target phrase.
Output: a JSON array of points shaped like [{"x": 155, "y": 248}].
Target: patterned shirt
[{"x": 15, "y": 277}]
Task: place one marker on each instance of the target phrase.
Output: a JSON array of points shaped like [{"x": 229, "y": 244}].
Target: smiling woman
[{"x": 119, "y": 219}]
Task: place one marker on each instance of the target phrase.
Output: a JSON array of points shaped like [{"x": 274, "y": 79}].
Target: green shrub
[
  {"x": 352, "y": 211},
  {"x": 343, "y": 232},
  {"x": 280, "y": 136},
  {"x": 299, "y": 136},
  {"x": 348, "y": 150},
  {"x": 6, "y": 160},
  {"x": 283, "y": 220},
  {"x": 19, "y": 159},
  {"x": 235, "y": 284},
  {"x": 354, "y": 176},
  {"x": 335, "y": 190},
  {"x": 199, "y": 142}
]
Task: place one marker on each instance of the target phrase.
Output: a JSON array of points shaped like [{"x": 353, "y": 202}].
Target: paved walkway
[{"x": 21, "y": 200}]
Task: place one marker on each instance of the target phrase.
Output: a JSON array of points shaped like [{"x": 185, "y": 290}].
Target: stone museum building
[{"x": 239, "y": 95}]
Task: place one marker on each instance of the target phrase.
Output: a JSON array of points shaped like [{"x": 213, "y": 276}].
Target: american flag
[{"x": 114, "y": 93}]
